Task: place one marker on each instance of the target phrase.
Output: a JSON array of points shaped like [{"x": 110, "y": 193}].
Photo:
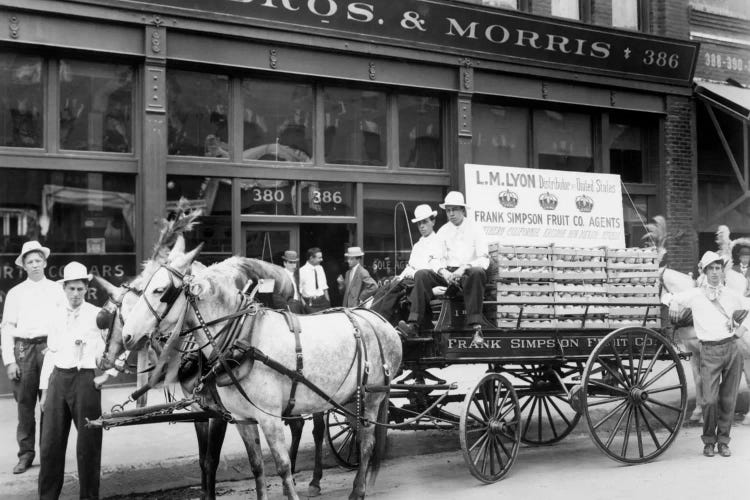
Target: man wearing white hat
[
  {"x": 74, "y": 345},
  {"x": 465, "y": 259},
  {"x": 358, "y": 285},
  {"x": 27, "y": 322},
  {"x": 720, "y": 318}
]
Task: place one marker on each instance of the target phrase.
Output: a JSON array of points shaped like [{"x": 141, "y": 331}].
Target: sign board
[
  {"x": 462, "y": 29},
  {"x": 533, "y": 207}
]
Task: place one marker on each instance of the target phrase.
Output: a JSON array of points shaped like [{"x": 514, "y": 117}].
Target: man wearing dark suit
[
  {"x": 358, "y": 285},
  {"x": 295, "y": 303}
]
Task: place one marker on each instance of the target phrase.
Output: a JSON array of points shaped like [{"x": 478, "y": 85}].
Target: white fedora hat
[
  {"x": 31, "y": 246},
  {"x": 454, "y": 199},
  {"x": 709, "y": 258},
  {"x": 423, "y": 212},
  {"x": 354, "y": 252},
  {"x": 75, "y": 271}
]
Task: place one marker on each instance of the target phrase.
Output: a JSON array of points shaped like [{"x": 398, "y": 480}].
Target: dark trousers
[
  {"x": 317, "y": 304},
  {"x": 386, "y": 300},
  {"x": 721, "y": 370},
  {"x": 71, "y": 397},
  {"x": 29, "y": 358},
  {"x": 472, "y": 283},
  {"x": 296, "y": 306}
]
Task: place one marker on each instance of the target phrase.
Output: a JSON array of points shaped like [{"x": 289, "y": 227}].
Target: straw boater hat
[
  {"x": 454, "y": 199},
  {"x": 709, "y": 258},
  {"x": 354, "y": 252},
  {"x": 75, "y": 271},
  {"x": 423, "y": 212},
  {"x": 31, "y": 246},
  {"x": 290, "y": 256}
]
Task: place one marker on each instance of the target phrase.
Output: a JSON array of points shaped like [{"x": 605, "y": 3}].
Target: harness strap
[
  {"x": 384, "y": 363},
  {"x": 293, "y": 323}
]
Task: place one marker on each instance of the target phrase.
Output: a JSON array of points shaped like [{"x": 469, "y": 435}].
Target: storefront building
[
  {"x": 722, "y": 110},
  {"x": 302, "y": 123}
]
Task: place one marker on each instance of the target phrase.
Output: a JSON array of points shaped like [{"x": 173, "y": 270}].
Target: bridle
[
  {"x": 110, "y": 312},
  {"x": 170, "y": 295}
]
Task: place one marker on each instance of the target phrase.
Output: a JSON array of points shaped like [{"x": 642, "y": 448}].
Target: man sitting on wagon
[{"x": 465, "y": 260}]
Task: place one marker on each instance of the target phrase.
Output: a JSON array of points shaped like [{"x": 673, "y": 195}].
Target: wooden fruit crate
[
  {"x": 532, "y": 311},
  {"x": 644, "y": 278},
  {"x": 525, "y": 293},
  {"x": 637, "y": 311},
  {"x": 581, "y": 310},
  {"x": 632, "y": 258},
  {"x": 615, "y": 323},
  {"x": 569, "y": 254},
  {"x": 537, "y": 324},
  {"x": 519, "y": 253}
]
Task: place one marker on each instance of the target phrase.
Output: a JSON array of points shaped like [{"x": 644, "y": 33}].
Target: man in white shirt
[
  {"x": 27, "y": 323},
  {"x": 426, "y": 254},
  {"x": 295, "y": 303},
  {"x": 313, "y": 285},
  {"x": 74, "y": 345},
  {"x": 465, "y": 259},
  {"x": 720, "y": 317}
]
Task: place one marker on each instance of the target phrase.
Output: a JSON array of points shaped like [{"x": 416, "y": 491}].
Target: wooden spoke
[{"x": 342, "y": 440}]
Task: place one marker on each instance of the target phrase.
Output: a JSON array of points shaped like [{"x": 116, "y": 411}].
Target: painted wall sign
[
  {"x": 497, "y": 34},
  {"x": 719, "y": 62},
  {"x": 538, "y": 207}
]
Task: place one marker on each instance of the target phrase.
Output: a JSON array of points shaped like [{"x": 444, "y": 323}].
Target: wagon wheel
[
  {"x": 546, "y": 417},
  {"x": 489, "y": 428},
  {"x": 634, "y": 394},
  {"x": 343, "y": 440}
]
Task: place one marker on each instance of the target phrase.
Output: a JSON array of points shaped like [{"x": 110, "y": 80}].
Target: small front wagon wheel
[
  {"x": 489, "y": 428},
  {"x": 342, "y": 439},
  {"x": 634, "y": 394}
]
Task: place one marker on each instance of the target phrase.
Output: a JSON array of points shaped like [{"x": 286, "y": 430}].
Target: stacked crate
[{"x": 575, "y": 288}]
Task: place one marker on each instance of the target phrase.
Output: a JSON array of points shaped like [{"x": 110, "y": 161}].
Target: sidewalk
[{"x": 154, "y": 457}]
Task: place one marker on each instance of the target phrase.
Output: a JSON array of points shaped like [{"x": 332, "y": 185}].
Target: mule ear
[
  {"x": 200, "y": 287},
  {"x": 111, "y": 289},
  {"x": 177, "y": 249}
]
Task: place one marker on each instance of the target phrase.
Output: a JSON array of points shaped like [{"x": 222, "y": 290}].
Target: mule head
[{"x": 160, "y": 305}]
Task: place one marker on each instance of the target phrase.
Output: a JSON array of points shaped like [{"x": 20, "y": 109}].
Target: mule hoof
[{"x": 313, "y": 491}]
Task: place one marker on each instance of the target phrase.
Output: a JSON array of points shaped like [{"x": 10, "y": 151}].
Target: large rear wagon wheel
[
  {"x": 634, "y": 394},
  {"x": 489, "y": 428}
]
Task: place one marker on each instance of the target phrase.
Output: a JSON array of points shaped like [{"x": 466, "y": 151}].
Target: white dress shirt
[
  {"x": 307, "y": 281},
  {"x": 464, "y": 245},
  {"x": 75, "y": 342},
  {"x": 426, "y": 254},
  {"x": 28, "y": 312},
  {"x": 294, "y": 283},
  {"x": 710, "y": 323}
]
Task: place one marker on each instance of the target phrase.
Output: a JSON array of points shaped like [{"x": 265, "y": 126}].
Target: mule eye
[{"x": 159, "y": 290}]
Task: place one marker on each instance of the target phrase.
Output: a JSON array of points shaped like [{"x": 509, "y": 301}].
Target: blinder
[
  {"x": 171, "y": 294},
  {"x": 105, "y": 318}
]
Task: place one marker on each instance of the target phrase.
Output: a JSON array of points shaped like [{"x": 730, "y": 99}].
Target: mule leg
[
  {"x": 366, "y": 445},
  {"x": 273, "y": 429},
  {"x": 319, "y": 428},
  {"x": 251, "y": 438},
  {"x": 295, "y": 426},
  {"x": 201, "y": 434},
  {"x": 217, "y": 429}
]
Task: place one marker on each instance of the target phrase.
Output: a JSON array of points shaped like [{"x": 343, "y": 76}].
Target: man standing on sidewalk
[
  {"x": 73, "y": 394},
  {"x": 313, "y": 285},
  {"x": 719, "y": 315},
  {"x": 27, "y": 322},
  {"x": 295, "y": 303}
]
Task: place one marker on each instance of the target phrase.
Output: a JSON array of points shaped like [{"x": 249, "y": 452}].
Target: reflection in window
[
  {"x": 213, "y": 196},
  {"x": 570, "y": 9},
  {"x": 625, "y": 14},
  {"x": 96, "y": 106},
  {"x": 500, "y": 135},
  {"x": 327, "y": 198},
  {"x": 626, "y": 152},
  {"x": 354, "y": 126},
  {"x": 420, "y": 133},
  {"x": 197, "y": 114},
  {"x": 22, "y": 101},
  {"x": 563, "y": 141},
  {"x": 635, "y": 214},
  {"x": 278, "y": 119},
  {"x": 265, "y": 196}
]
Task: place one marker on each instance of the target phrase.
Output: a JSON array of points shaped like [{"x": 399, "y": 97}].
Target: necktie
[
  {"x": 315, "y": 270},
  {"x": 713, "y": 292}
]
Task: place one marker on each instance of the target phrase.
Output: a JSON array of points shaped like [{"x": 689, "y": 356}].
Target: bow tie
[{"x": 713, "y": 292}]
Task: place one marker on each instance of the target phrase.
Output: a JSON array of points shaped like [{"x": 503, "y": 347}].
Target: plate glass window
[
  {"x": 570, "y": 9},
  {"x": 626, "y": 152},
  {"x": 197, "y": 114},
  {"x": 355, "y": 126},
  {"x": 500, "y": 135},
  {"x": 327, "y": 198},
  {"x": 625, "y": 14},
  {"x": 268, "y": 197},
  {"x": 563, "y": 141},
  {"x": 96, "y": 106},
  {"x": 420, "y": 132},
  {"x": 22, "y": 105},
  {"x": 277, "y": 120}
]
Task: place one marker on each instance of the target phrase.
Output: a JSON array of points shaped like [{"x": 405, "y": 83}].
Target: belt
[
  {"x": 725, "y": 340},
  {"x": 74, "y": 370},
  {"x": 33, "y": 340}
]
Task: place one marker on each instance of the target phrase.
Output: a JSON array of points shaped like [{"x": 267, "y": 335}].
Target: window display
[
  {"x": 355, "y": 126},
  {"x": 22, "y": 105},
  {"x": 420, "y": 132}
]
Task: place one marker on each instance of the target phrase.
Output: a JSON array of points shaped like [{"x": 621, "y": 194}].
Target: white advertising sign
[{"x": 522, "y": 206}]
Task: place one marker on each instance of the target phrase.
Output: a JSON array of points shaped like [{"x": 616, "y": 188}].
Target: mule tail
[{"x": 379, "y": 448}]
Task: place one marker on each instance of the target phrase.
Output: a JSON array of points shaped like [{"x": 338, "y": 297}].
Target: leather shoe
[
  {"x": 708, "y": 450},
  {"x": 724, "y": 450},
  {"x": 22, "y": 466},
  {"x": 408, "y": 330}
]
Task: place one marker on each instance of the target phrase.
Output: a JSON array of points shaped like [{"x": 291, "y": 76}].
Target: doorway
[
  {"x": 268, "y": 242},
  {"x": 333, "y": 240}
]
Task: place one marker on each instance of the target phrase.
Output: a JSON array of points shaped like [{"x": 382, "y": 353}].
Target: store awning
[{"x": 735, "y": 100}]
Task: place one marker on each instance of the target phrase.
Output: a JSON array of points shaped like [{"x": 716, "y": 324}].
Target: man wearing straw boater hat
[
  {"x": 73, "y": 394},
  {"x": 27, "y": 322},
  {"x": 465, "y": 259},
  {"x": 720, "y": 318},
  {"x": 740, "y": 249},
  {"x": 357, "y": 286}
]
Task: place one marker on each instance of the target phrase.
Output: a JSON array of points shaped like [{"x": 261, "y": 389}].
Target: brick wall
[
  {"x": 670, "y": 18},
  {"x": 679, "y": 180}
]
